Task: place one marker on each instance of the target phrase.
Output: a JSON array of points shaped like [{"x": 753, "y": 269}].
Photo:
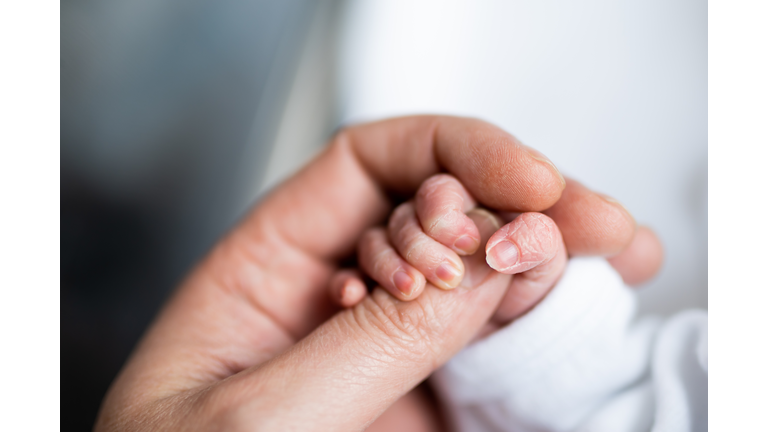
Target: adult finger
[
  {"x": 591, "y": 223},
  {"x": 417, "y": 411},
  {"x": 441, "y": 205},
  {"x": 364, "y": 358},
  {"x": 318, "y": 215},
  {"x": 366, "y": 163},
  {"x": 642, "y": 260},
  {"x": 264, "y": 286},
  {"x": 596, "y": 224}
]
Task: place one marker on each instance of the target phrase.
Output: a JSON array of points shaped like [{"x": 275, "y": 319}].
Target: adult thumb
[{"x": 348, "y": 371}]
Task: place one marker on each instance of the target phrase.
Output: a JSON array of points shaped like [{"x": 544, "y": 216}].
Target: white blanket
[{"x": 580, "y": 361}]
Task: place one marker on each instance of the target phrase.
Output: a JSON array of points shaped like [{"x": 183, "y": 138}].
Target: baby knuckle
[
  {"x": 423, "y": 251},
  {"x": 432, "y": 188},
  {"x": 436, "y": 182},
  {"x": 446, "y": 223}
]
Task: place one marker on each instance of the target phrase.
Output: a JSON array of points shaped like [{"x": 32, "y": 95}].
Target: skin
[
  {"x": 251, "y": 341},
  {"x": 429, "y": 233}
]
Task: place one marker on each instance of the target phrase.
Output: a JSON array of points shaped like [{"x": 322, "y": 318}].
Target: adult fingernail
[
  {"x": 466, "y": 244},
  {"x": 450, "y": 274},
  {"x": 615, "y": 202},
  {"x": 502, "y": 255},
  {"x": 404, "y": 282},
  {"x": 541, "y": 158}
]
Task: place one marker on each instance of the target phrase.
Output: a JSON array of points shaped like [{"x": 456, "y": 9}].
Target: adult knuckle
[{"x": 399, "y": 329}]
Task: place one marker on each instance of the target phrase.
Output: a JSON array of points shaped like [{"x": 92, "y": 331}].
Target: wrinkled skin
[{"x": 251, "y": 341}]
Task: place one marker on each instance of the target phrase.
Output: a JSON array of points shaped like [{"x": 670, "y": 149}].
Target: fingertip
[
  {"x": 641, "y": 260},
  {"x": 450, "y": 274},
  {"x": 539, "y": 157},
  {"x": 504, "y": 175},
  {"x": 619, "y": 226},
  {"x": 466, "y": 244},
  {"x": 346, "y": 288},
  {"x": 404, "y": 282},
  {"x": 626, "y": 225},
  {"x": 592, "y": 224},
  {"x": 468, "y": 241},
  {"x": 353, "y": 291},
  {"x": 409, "y": 283}
]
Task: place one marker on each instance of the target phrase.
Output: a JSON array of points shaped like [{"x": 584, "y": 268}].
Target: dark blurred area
[{"x": 169, "y": 113}]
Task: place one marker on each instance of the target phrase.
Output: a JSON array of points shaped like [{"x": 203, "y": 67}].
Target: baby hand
[{"x": 427, "y": 236}]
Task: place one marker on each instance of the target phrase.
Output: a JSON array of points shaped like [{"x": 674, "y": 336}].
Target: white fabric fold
[{"x": 578, "y": 361}]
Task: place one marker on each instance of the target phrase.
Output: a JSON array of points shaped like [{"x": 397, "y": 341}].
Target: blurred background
[{"x": 176, "y": 116}]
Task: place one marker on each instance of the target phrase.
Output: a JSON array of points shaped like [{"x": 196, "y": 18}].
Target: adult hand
[{"x": 250, "y": 340}]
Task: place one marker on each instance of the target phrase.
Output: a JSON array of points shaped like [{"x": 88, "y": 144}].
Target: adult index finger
[{"x": 592, "y": 223}]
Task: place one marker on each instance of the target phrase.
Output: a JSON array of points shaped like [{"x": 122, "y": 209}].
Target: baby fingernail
[
  {"x": 541, "y": 158},
  {"x": 449, "y": 274},
  {"x": 502, "y": 255},
  {"x": 403, "y": 282},
  {"x": 466, "y": 244}
]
